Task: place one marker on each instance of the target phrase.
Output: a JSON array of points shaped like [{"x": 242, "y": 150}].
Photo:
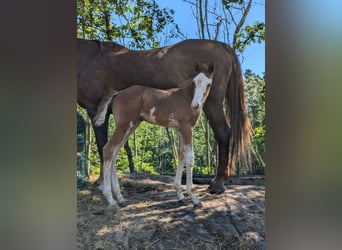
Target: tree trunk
[
  {"x": 88, "y": 143},
  {"x": 129, "y": 156},
  {"x": 208, "y": 149},
  {"x": 106, "y": 16},
  {"x": 173, "y": 145},
  {"x": 201, "y": 18},
  {"x": 241, "y": 22},
  {"x": 135, "y": 144}
]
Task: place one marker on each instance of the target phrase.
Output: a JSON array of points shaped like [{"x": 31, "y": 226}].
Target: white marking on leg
[
  {"x": 114, "y": 174},
  {"x": 115, "y": 179},
  {"x": 100, "y": 186},
  {"x": 107, "y": 189},
  {"x": 178, "y": 179},
  {"x": 189, "y": 162}
]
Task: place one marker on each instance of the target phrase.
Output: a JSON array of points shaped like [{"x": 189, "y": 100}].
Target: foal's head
[{"x": 202, "y": 82}]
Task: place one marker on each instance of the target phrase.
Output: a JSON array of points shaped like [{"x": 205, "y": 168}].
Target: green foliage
[
  {"x": 144, "y": 167},
  {"x": 250, "y": 34},
  {"x": 255, "y": 92},
  {"x": 205, "y": 170},
  {"x": 137, "y": 24},
  {"x": 95, "y": 170},
  {"x": 259, "y": 138}
]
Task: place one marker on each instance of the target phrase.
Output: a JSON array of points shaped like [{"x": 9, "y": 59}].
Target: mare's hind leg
[
  {"x": 101, "y": 136},
  {"x": 217, "y": 120}
]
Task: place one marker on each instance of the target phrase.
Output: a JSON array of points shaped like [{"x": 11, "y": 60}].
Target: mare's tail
[
  {"x": 241, "y": 129},
  {"x": 103, "y": 107}
]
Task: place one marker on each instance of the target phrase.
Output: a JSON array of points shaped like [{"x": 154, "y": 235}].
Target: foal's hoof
[
  {"x": 216, "y": 187},
  {"x": 100, "y": 186},
  {"x": 123, "y": 203},
  {"x": 112, "y": 208},
  {"x": 182, "y": 202}
]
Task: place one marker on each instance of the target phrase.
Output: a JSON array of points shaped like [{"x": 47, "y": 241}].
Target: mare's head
[{"x": 202, "y": 81}]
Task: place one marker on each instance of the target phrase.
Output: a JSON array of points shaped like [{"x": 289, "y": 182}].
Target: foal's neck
[{"x": 187, "y": 87}]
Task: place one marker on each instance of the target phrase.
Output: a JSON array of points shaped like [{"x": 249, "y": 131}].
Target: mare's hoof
[{"x": 216, "y": 187}]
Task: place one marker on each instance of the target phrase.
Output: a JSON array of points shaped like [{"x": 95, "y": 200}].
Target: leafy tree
[
  {"x": 226, "y": 21},
  {"x": 136, "y": 24},
  {"x": 255, "y": 92}
]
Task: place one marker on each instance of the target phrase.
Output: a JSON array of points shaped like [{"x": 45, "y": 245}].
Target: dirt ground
[{"x": 154, "y": 219}]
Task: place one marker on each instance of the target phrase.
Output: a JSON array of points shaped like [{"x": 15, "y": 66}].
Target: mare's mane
[{"x": 109, "y": 46}]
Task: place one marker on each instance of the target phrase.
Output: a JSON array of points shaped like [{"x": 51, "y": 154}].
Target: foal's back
[{"x": 162, "y": 107}]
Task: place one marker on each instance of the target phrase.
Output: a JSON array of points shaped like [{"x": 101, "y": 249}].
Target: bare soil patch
[{"x": 154, "y": 219}]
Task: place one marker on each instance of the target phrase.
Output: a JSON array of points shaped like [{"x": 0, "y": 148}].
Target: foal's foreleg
[
  {"x": 178, "y": 177},
  {"x": 186, "y": 157},
  {"x": 189, "y": 162}
]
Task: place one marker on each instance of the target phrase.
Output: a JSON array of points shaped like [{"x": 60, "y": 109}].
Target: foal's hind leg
[
  {"x": 110, "y": 151},
  {"x": 115, "y": 180}
]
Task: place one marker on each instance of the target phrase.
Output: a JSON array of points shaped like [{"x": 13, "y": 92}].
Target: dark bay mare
[
  {"x": 174, "y": 108},
  {"x": 105, "y": 66}
]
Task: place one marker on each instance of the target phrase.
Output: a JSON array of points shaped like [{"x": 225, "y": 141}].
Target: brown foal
[{"x": 176, "y": 108}]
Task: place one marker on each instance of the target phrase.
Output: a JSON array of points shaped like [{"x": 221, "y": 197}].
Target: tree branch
[
  {"x": 201, "y": 18},
  {"x": 242, "y": 21}
]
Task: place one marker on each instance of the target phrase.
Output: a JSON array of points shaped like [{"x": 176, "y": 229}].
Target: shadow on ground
[{"x": 154, "y": 219}]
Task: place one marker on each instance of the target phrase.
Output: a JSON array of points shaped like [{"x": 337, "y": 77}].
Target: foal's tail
[
  {"x": 241, "y": 129},
  {"x": 103, "y": 107}
]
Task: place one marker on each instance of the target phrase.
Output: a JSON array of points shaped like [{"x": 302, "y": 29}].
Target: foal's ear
[
  {"x": 197, "y": 67},
  {"x": 210, "y": 67}
]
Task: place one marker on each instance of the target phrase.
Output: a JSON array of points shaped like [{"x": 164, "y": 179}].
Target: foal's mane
[{"x": 186, "y": 84}]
